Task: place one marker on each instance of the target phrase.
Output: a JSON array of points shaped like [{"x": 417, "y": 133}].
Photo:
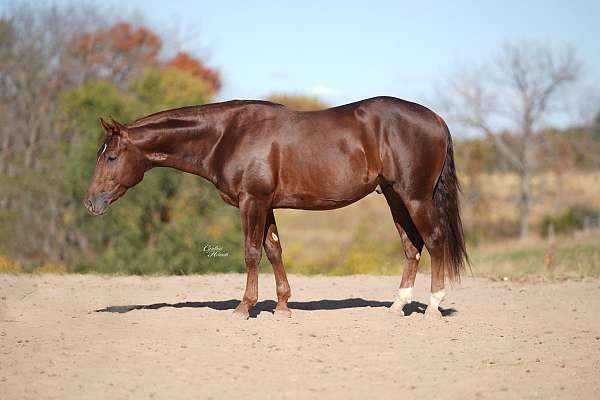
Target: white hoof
[
  {"x": 432, "y": 312},
  {"x": 282, "y": 314},
  {"x": 396, "y": 308}
]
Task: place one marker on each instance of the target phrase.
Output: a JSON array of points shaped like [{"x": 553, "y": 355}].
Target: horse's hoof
[
  {"x": 397, "y": 309},
  {"x": 282, "y": 313},
  {"x": 241, "y": 313},
  {"x": 432, "y": 313}
]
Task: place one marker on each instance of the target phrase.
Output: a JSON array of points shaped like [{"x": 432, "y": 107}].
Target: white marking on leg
[
  {"x": 274, "y": 236},
  {"x": 418, "y": 256},
  {"x": 436, "y": 298},
  {"x": 403, "y": 297}
]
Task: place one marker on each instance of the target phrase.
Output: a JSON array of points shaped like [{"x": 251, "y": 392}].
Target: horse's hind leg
[
  {"x": 272, "y": 244},
  {"x": 426, "y": 219},
  {"x": 413, "y": 245}
]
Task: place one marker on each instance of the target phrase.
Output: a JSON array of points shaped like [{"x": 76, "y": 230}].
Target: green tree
[
  {"x": 170, "y": 87},
  {"x": 162, "y": 225},
  {"x": 61, "y": 69},
  {"x": 165, "y": 221}
]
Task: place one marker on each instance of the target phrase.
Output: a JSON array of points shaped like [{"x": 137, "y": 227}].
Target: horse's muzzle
[{"x": 98, "y": 204}]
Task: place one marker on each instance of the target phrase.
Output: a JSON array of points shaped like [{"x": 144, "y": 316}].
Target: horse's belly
[{"x": 325, "y": 184}]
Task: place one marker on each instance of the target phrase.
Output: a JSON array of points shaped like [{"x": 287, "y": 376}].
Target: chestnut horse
[{"x": 261, "y": 156}]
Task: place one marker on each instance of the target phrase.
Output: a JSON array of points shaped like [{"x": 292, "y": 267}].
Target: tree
[
  {"x": 520, "y": 88},
  {"x": 596, "y": 126},
  {"x": 164, "y": 223},
  {"x": 192, "y": 65},
  {"x": 33, "y": 43},
  {"x": 298, "y": 102},
  {"x": 7, "y": 40},
  {"x": 161, "y": 88},
  {"x": 51, "y": 97},
  {"x": 118, "y": 52}
]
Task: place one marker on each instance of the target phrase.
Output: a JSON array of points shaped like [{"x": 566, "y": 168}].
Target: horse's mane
[{"x": 185, "y": 116}]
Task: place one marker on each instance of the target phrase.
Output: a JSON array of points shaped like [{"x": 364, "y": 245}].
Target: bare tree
[
  {"x": 33, "y": 72},
  {"x": 516, "y": 92}
]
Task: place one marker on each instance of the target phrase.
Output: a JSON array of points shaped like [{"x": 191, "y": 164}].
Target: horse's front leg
[{"x": 254, "y": 213}]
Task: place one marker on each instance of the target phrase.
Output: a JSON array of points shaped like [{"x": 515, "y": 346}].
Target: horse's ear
[
  {"x": 108, "y": 129},
  {"x": 117, "y": 124},
  {"x": 119, "y": 128}
]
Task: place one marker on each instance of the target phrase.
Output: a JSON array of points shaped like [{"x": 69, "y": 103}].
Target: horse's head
[{"x": 119, "y": 166}]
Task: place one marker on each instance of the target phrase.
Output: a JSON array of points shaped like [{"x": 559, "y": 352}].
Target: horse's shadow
[{"x": 269, "y": 306}]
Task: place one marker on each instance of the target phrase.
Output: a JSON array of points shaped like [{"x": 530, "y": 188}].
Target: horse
[{"x": 262, "y": 156}]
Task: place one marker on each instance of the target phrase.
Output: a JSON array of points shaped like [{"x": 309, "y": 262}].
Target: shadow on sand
[{"x": 269, "y": 306}]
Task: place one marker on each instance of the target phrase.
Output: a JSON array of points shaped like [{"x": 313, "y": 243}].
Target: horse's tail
[{"x": 446, "y": 201}]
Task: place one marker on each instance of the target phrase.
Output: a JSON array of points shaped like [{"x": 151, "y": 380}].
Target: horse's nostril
[{"x": 88, "y": 204}]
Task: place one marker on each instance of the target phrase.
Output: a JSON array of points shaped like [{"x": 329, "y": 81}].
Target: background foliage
[
  {"x": 58, "y": 78},
  {"x": 166, "y": 221}
]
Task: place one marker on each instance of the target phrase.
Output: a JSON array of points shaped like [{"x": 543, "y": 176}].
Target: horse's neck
[{"x": 188, "y": 149}]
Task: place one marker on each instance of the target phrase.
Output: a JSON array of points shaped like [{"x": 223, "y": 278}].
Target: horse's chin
[{"x": 99, "y": 213}]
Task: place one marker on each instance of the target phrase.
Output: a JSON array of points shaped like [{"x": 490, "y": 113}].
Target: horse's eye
[{"x": 111, "y": 157}]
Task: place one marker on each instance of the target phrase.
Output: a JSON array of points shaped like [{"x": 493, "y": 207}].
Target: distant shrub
[
  {"x": 298, "y": 102},
  {"x": 482, "y": 231},
  {"x": 51, "y": 268},
  {"x": 359, "y": 261},
  {"x": 296, "y": 260},
  {"x": 573, "y": 219},
  {"x": 9, "y": 266}
]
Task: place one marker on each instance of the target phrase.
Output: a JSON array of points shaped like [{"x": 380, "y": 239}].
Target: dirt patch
[{"x": 174, "y": 337}]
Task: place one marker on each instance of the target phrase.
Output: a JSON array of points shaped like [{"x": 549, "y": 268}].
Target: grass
[
  {"x": 567, "y": 257},
  {"x": 575, "y": 256},
  {"x": 362, "y": 239}
]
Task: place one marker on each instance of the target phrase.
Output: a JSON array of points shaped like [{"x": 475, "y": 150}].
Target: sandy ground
[{"x": 497, "y": 340}]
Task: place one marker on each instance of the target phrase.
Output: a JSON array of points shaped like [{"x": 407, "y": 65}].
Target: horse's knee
[{"x": 252, "y": 256}]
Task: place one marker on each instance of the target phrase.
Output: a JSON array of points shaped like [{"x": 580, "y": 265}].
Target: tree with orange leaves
[
  {"x": 186, "y": 62},
  {"x": 119, "y": 51}
]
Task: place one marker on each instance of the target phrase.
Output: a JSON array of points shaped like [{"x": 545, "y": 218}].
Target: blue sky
[{"x": 348, "y": 50}]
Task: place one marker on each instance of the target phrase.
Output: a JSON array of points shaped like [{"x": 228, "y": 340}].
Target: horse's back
[{"x": 331, "y": 158}]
